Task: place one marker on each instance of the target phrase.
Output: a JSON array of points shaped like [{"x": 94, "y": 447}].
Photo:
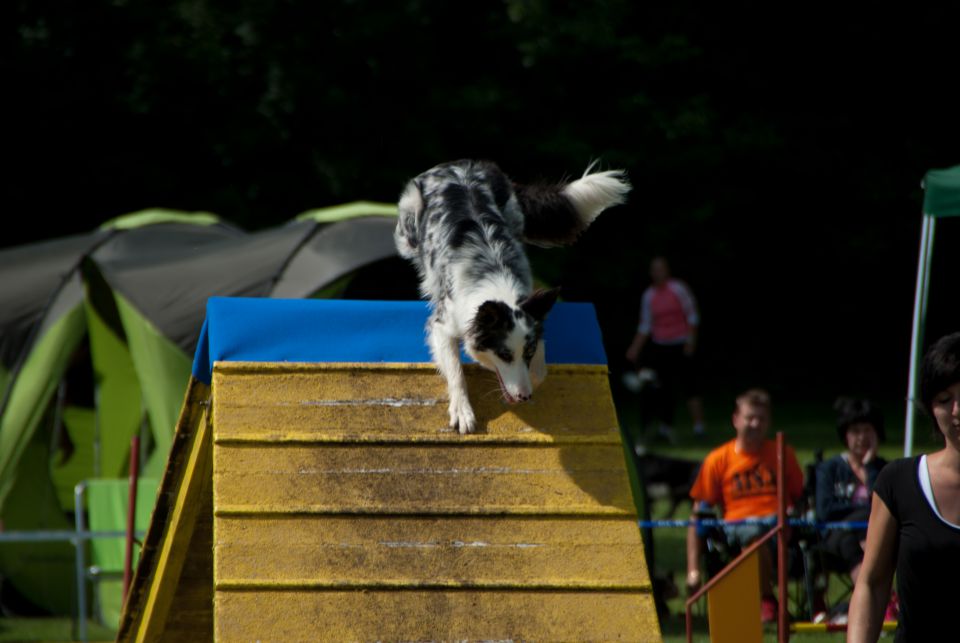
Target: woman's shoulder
[{"x": 895, "y": 471}]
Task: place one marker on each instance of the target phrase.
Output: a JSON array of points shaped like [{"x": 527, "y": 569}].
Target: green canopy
[
  {"x": 941, "y": 199},
  {"x": 941, "y": 196}
]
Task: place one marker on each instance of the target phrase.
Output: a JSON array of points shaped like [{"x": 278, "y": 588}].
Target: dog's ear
[
  {"x": 539, "y": 303},
  {"x": 491, "y": 315}
]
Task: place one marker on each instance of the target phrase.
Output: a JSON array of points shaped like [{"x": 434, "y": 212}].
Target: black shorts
[{"x": 676, "y": 371}]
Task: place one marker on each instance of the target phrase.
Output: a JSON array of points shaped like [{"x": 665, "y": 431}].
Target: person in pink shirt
[{"x": 667, "y": 339}]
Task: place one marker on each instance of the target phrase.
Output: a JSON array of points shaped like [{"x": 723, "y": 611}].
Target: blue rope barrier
[{"x": 714, "y": 522}]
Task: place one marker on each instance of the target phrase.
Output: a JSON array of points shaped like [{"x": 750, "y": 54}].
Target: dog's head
[{"x": 509, "y": 341}]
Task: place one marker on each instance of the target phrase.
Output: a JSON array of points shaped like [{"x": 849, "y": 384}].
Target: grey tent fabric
[
  {"x": 335, "y": 250},
  {"x": 30, "y": 278},
  {"x": 171, "y": 290},
  {"x": 294, "y": 260}
]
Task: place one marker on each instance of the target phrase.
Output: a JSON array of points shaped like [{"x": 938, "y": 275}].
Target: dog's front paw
[{"x": 461, "y": 416}]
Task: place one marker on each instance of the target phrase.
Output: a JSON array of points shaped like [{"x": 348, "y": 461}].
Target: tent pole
[{"x": 919, "y": 320}]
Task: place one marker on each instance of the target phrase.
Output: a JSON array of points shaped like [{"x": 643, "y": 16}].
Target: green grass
[
  {"x": 808, "y": 426},
  {"x": 49, "y": 629}
]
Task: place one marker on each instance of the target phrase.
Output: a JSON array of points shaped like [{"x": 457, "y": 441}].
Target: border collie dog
[{"x": 463, "y": 225}]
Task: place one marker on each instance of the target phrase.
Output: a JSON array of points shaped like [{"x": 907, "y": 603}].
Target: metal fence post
[{"x": 79, "y": 543}]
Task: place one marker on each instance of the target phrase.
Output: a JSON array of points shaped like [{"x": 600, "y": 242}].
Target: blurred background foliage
[{"x": 776, "y": 151}]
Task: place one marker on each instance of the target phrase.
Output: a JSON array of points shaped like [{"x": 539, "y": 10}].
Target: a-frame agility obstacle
[{"x": 314, "y": 491}]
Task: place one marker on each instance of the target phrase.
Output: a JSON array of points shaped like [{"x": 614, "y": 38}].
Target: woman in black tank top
[{"x": 914, "y": 525}]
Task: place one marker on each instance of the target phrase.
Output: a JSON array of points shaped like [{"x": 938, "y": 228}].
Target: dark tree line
[{"x": 776, "y": 155}]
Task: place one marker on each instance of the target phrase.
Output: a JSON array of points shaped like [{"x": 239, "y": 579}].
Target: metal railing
[{"x": 78, "y": 537}]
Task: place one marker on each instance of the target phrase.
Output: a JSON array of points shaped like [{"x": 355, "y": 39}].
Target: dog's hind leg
[
  {"x": 409, "y": 210},
  {"x": 446, "y": 355}
]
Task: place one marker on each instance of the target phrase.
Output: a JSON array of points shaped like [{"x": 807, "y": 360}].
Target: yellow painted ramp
[
  {"x": 346, "y": 509},
  {"x": 342, "y": 508}
]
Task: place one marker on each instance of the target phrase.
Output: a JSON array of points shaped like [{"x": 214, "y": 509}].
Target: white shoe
[{"x": 631, "y": 382}]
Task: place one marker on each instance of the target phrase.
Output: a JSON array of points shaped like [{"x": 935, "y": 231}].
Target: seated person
[
  {"x": 741, "y": 477},
  {"x": 845, "y": 481}
]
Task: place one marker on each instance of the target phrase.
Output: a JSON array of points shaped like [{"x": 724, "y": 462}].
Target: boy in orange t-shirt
[{"x": 740, "y": 476}]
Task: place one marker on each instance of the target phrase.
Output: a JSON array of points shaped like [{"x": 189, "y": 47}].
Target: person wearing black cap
[{"x": 845, "y": 481}]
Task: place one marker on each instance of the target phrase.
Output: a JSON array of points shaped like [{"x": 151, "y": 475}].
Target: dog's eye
[
  {"x": 506, "y": 356},
  {"x": 528, "y": 352}
]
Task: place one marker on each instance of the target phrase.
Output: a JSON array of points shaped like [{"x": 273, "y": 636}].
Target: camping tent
[
  {"x": 42, "y": 325},
  {"x": 941, "y": 199},
  {"x": 159, "y": 299},
  {"x": 137, "y": 289}
]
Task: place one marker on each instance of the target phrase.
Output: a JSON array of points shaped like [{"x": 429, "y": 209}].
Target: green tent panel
[
  {"x": 44, "y": 573},
  {"x": 79, "y": 423},
  {"x": 32, "y": 391},
  {"x": 119, "y": 405},
  {"x": 154, "y": 216},
  {"x": 349, "y": 211},
  {"x": 164, "y": 370},
  {"x": 107, "y": 501}
]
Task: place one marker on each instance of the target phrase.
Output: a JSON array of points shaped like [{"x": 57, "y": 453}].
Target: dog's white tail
[
  {"x": 593, "y": 193},
  {"x": 555, "y": 215}
]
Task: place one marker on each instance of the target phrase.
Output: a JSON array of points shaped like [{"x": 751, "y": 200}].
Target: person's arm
[
  {"x": 694, "y": 547},
  {"x": 643, "y": 328},
  {"x": 695, "y": 544},
  {"x": 873, "y": 584},
  {"x": 633, "y": 352},
  {"x": 704, "y": 492}
]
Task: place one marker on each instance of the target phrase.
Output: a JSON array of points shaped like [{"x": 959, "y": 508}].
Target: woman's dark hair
[
  {"x": 852, "y": 411},
  {"x": 940, "y": 369}
]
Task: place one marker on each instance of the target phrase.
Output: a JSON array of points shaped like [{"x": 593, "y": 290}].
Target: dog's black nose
[{"x": 524, "y": 397}]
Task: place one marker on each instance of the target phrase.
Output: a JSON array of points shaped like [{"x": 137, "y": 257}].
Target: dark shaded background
[{"x": 776, "y": 157}]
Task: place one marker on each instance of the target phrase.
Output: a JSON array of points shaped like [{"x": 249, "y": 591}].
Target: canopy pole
[{"x": 919, "y": 320}]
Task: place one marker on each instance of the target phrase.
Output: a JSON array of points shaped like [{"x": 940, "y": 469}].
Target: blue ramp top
[{"x": 331, "y": 330}]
